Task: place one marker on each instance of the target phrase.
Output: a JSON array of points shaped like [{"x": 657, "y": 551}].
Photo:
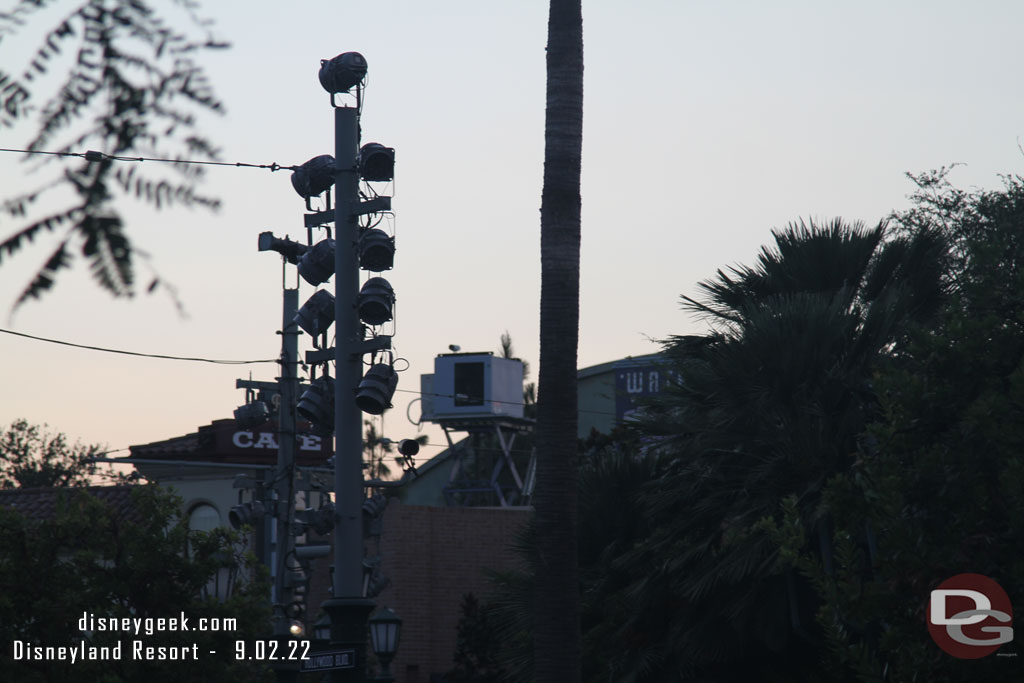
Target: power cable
[
  {"x": 137, "y": 353},
  {"x": 93, "y": 155},
  {"x": 490, "y": 400}
]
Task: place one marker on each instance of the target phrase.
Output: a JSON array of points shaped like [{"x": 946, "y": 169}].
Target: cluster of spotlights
[
  {"x": 376, "y": 164},
  {"x": 316, "y": 264}
]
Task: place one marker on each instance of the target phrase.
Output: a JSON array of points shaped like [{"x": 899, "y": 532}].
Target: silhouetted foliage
[
  {"x": 770, "y": 403},
  {"x": 31, "y": 456},
  {"x": 529, "y": 388},
  {"x": 936, "y": 487},
  {"x": 557, "y": 603},
  {"x": 477, "y": 646},
  {"x": 132, "y": 88},
  {"x": 614, "y": 471},
  {"x": 139, "y": 562}
]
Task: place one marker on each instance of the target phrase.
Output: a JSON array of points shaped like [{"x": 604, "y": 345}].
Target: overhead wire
[
  {"x": 137, "y": 353},
  {"x": 491, "y": 400},
  {"x": 242, "y": 362},
  {"x": 93, "y": 155}
]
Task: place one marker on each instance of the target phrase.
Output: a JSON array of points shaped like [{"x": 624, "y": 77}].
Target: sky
[{"x": 706, "y": 126}]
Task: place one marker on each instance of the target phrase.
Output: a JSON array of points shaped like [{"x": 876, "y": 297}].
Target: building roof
[
  {"x": 611, "y": 365},
  {"x": 225, "y": 441},
  {"x": 41, "y": 503}
]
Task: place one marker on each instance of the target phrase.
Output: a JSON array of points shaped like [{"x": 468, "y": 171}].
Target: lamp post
[
  {"x": 385, "y": 630},
  {"x": 322, "y": 631}
]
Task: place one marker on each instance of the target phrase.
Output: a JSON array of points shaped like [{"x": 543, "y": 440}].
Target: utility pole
[
  {"x": 279, "y": 482},
  {"x": 356, "y": 313},
  {"x": 284, "y": 476},
  {"x": 347, "y": 609}
]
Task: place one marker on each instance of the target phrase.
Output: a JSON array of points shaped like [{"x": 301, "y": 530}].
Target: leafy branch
[{"x": 133, "y": 87}]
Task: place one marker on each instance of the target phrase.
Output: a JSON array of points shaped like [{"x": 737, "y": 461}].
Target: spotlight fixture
[
  {"x": 245, "y": 514},
  {"x": 296, "y": 580},
  {"x": 320, "y": 521},
  {"x": 376, "y": 389},
  {"x": 375, "y": 301},
  {"x": 408, "y": 447},
  {"x": 314, "y": 177},
  {"x": 374, "y": 581},
  {"x": 252, "y": 414},
  {"x": 376, "y": 250},
  {"x": 374, "y": 506},
  {"x": 317, "y": 404},
  {"x": 322, "y": 631},
  {"x": 317, "y": 314},
  {"x": 292, "y": 251},
  {"x": 317, "y": 264},
  {"x": 340, "y": 74},
  {"x": 376, "y": 162}
]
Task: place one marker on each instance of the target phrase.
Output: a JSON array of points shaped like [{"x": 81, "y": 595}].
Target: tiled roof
[
  {"x": 40, "y": 503},
  {"x": 218, "y": 442},
  {"x": 178, "y": 446}
]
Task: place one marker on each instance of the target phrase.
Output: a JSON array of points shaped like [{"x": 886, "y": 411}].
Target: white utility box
[{"x": 472, "y": 385}]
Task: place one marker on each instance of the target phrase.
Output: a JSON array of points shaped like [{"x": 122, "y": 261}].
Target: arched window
[{"x": 203, "y": 517}]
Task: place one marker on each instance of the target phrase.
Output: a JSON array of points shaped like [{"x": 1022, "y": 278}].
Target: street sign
[{"x": 330, "y": 659}]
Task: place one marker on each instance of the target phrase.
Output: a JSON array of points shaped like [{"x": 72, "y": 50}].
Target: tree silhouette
[
  {"x": 557, "y": 599},
  {"x": 132, "y": 88},
  {"x": 30, "y": 456}
]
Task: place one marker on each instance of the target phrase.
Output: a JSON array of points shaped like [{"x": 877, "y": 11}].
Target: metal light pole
[
  {"x": 347, "y": 609},
  {"x": 284, "y": 505}
]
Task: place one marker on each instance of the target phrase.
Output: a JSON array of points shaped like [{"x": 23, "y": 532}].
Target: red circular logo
[{"x": 969, "y": 616}]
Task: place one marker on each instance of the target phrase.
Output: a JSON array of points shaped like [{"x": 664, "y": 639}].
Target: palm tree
[
  {"x": 556, "y": 636},
  {"x": 771, "y": 404}
]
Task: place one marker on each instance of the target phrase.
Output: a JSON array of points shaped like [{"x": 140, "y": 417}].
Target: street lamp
[
  {"x": 385, "y": 629},
  {"x": 322, "y": 630}
]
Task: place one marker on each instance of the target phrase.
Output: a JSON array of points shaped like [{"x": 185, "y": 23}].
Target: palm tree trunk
[{"x": 556, "y": 624}]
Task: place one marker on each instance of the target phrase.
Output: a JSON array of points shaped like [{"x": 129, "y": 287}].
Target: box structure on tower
[{"x": 472, "y": 385}]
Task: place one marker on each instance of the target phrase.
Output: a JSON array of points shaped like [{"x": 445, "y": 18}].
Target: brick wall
[{"x": 433, "y": 556}]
